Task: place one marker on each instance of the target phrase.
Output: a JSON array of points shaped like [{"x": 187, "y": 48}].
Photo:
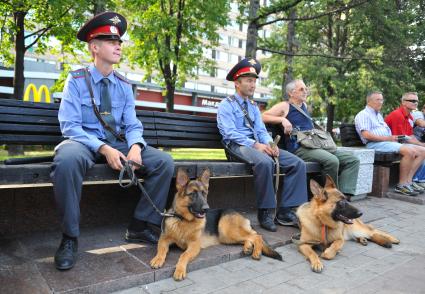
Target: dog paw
[
  {"x": 363, "y": 241},
  {"x": 248, "y": 248},
  {"x": 157, "y": 262},
  {"x": 327, "y": 254},
  {"x": 179, "y": 274},
  {"x": 317, "y": 266},
  {"x": 256, "y": 256}
]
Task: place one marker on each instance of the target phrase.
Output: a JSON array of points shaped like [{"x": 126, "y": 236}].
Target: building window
[
  {"x": 203, "y": 87},
  {"x": 221, "y": 73}
]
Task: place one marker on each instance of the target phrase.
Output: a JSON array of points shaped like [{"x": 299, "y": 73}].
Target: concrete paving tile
[
  {"x": 346, "y": 280},
  {"x": 285, "y": 288},
  {"x": 377, "y": 252},
  {"x": 94, "y": 268},
  {"x": 23, "y": 278},
  {"x": 237, "y": 265},
  {"x": 273, "y": 279},
  {"x": 12, "y": 253},
  {"x": 392, "y": 281},
  {"x": 166, "y": 285},
  {"x": 242, "y": 288},
  {"x": 309, "y": 280}
]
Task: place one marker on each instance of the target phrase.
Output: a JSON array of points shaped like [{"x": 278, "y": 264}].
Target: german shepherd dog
[
  {"x": 328, "y": 220},
  {"x": 194, "y": 226}
]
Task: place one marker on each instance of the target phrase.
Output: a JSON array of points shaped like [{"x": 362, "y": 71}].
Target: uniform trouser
[
  {"x": 342, "y": 166},
  {"x": 295, "y": 181},
  {"x": 73, "y": 159}
]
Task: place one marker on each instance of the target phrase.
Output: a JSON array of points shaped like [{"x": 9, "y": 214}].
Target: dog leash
[
  {"x": 128, "y": 169},
  {"x": 273, "y": 144}
]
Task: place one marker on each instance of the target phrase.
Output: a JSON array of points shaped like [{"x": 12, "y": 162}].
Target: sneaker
[
  {"x": 405, "y": 190},
  {"x": 417, "y": 187},
  {"x": 420, "y": 184}
]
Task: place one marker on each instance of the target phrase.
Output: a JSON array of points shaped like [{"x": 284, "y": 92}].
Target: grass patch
[{"x": 177, "y": 154}]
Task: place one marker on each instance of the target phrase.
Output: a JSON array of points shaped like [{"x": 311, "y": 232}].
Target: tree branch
[
  {"x": 288, "y": 53},
  {"x": 44, "y": 30},
  {"x": 266, "y": 11},
  {"x": 316, "y": 16}
]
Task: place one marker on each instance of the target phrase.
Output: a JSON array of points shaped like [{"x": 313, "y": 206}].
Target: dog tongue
[
  {"x": 345, "y": 219},
  {"x": 200, "y": 215}
]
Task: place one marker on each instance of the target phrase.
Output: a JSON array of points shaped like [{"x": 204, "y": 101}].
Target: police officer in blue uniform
[
  {"x": 246, "y": 135},
  {"x": 118, "y": 138}
]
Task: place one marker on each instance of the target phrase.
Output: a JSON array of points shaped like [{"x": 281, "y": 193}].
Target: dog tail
[{"x": 270, "y": 252}]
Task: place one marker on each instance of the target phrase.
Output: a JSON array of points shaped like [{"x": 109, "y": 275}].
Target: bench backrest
[
  {"x": 28, "y": 123},
  {"x": 349, "y": 135}
]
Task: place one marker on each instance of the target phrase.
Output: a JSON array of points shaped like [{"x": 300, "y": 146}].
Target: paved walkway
[{"x": 357, "y": 269}]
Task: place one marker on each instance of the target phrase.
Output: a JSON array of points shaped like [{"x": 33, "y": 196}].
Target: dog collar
[{"x": 169, "y": 214}]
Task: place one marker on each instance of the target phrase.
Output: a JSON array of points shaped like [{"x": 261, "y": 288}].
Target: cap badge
[
  {"x": 251, "y": 69},
  {"x": 113, "y": 30},
  {"x": 115, "y": 20},
  {"x": 252, "y": 61}
]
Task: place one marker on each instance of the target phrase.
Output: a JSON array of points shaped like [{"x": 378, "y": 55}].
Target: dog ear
[
  {"x": 330, "y": 182},
  {"x": 181, "y": 179},
  {"x": 205, "y": 177},
  {"x": 317, "y": 190}
]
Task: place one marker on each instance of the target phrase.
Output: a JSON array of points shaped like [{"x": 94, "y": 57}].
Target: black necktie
[{"x": 106, "y": 109}]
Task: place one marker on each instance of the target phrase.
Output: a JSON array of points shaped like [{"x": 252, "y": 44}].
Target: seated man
[
  {"x": 243, "y": 131},
  {"x": 376, "y": 134},
  {"x": 419, "y": 124},
  {"x": 401, "y": 122},
  {"x": 97, "y": 104},
  {"x": 342, "y": 166}
]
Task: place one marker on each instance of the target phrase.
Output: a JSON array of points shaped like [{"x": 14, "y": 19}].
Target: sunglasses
[{"x": 413, "y": 101}]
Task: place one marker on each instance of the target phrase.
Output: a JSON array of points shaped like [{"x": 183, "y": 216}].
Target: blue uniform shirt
[
  {"x": 76, "y": 116},
  {"x": 233, "y": 126}
]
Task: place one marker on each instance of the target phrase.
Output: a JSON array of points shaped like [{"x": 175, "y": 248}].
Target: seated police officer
[
  {"x": 91, "y": 136},
  {"x": 247, "y": 137}
]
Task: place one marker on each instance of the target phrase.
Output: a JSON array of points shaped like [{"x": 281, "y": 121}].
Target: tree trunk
[
  {"x": 290, "y": 37},
  {"x": 252, "y": 34},
  {"x": 99, "y": 6},
  {"x": 330, "y": 110},
  {"x": 170, "y": 96},
  {"x": 18, "y": 79}
]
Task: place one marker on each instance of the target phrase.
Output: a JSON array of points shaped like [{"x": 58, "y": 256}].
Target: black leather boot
[
  {"x": 265, "y": 217},
  {"x": 66, "y": 255}
]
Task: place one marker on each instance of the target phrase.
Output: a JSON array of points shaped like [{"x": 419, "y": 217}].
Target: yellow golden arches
[{"x": 37, "y": 94}]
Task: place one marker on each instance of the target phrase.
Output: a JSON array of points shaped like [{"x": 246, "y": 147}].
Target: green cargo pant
[{"x": 342, "y": 166}]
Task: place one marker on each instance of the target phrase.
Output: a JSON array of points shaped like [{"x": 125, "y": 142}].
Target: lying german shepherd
[
  {"x": 328, "y": 220},
  {"x": 194, "y": 226}
]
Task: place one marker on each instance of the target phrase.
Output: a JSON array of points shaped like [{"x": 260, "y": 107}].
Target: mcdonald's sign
[{"x": 37, "y": 94}]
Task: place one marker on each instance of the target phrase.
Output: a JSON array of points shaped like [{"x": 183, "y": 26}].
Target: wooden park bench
[{"x": 27, "y": 123}]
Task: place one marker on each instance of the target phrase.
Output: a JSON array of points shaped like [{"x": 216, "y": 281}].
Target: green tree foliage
[
  {"x": 29, "y": 24},
  {"x": 342, "y": 56},
  {"x": 169, "y": 37}
]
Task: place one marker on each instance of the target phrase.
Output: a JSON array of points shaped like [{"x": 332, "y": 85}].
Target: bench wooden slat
[
  {"x": 21, "y": 128},
  {"x": 29, "y": 119},
  {"x": 189, "y": 144},
  {"x": 188, "y": 123},
  {"x": 188, "y": 135},
  {"x": 28, "y": 104},
  {"x": 179, "y": 116},
  {"x": 28, "y": 111}
]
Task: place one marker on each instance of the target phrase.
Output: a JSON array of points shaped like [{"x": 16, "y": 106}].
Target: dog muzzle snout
[{"x": 205, "y": 207}]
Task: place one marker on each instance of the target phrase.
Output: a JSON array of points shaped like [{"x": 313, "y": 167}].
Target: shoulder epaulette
[
  {"x": 121, "y": 77},
  {"x": 79, "y": 73}
]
